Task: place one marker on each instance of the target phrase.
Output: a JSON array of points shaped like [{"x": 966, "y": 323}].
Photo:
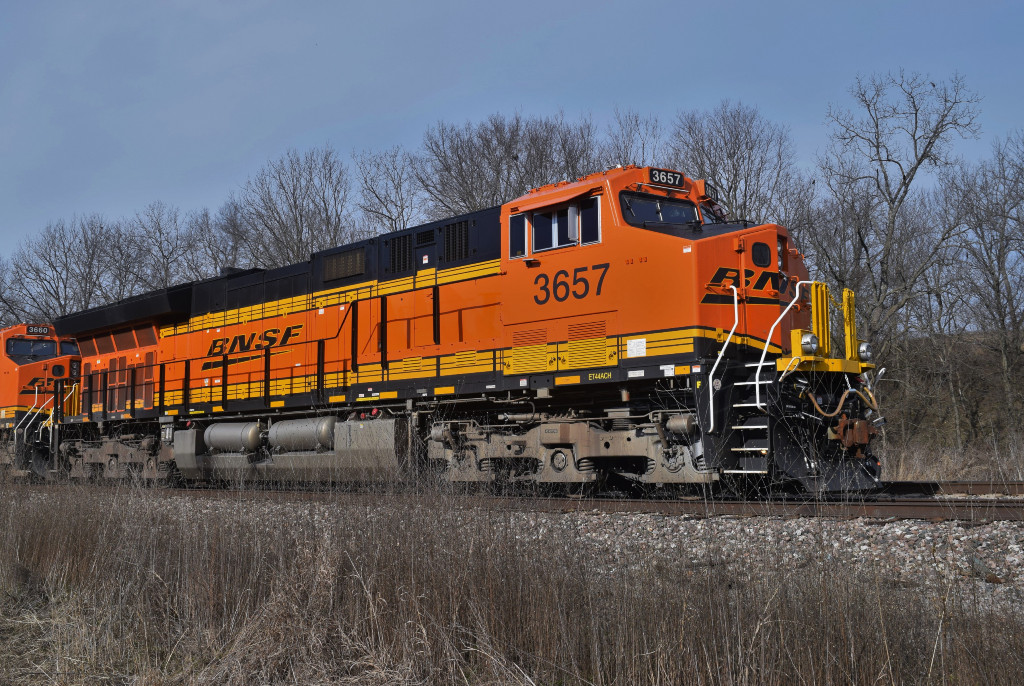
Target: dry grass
[
  {"x": 998, "y": 459},
  {"x": 124, "y": 588}
]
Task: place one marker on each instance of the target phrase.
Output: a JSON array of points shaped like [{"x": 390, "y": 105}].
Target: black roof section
[
  {"x": 160, "y": 307},
  {"x": 450, "y": 242}
]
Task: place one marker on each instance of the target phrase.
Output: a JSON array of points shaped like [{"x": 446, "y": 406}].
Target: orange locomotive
[
  {"x": 616, "y": 327},
  {"x": 38, "y": 386}
]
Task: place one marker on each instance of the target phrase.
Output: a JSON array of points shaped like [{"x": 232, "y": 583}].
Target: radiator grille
[
  {"x": 401, "y": 254},
  {"x": 456, "y": 241},
  {"x": 344, "y": 264}
]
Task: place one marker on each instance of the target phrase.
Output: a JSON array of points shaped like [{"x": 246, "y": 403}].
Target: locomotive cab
[{"x": 40, "y": 383}]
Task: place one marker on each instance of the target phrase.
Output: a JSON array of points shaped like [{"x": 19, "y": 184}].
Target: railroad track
[
  {"x": 929, "y": 500},
  {"x": 879, "y": 507},
  {"x": 955, "y": 488}
]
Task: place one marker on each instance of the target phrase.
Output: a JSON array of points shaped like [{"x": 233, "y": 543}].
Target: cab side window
[
  {"x": 577, "y": 223},
  {"x": 517, "y": 236},
  {"x": 590, "y": 227},
  {"x": 542, "y": 224}
]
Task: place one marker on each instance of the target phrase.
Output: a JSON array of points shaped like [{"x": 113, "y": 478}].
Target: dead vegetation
[{"x": 133, "y": 587}]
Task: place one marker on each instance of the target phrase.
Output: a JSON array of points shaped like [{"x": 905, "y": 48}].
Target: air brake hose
[{"x": 868, "y": 399}]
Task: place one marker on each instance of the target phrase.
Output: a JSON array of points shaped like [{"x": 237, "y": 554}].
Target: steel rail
[
  {"x": 1015, "y": 488},
  {"x": 870, "y": 507},
  {"x": 962, "y": 488}
]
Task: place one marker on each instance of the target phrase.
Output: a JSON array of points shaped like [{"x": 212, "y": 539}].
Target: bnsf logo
[
  {"x": 766, "y": 280},
  {"x": 243, "y": 343},
  {"x": 755, "y": 280}
]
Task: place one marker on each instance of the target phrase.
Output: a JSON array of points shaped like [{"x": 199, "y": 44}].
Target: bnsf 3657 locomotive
[{"x": 613, "y": 328}]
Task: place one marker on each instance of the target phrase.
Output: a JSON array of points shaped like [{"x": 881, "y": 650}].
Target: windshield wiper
[{"x": 628, "y": 206}]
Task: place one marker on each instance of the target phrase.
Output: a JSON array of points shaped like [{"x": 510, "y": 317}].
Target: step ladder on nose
[
  {"x": 750, "y": 417},
  {"x": 750, "y": 412}
]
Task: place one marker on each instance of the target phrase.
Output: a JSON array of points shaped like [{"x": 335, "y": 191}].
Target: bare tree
[
  {"x": 878, "y": 234},
  {"x": 58, "y": 271},
  {"x": 993, "y": 254},
  {"x": 389, "y": 197},
  {"x": 578, "y": 148},
  {"x": 296, "y": 205},
  {"x": 933, "y": 354},
  {"x": 469, "y": 167},
  {"x": 162, "y": 244},
  {"x": 748, "y": 158},
  {"x": 122, "y": 257},
  {"x": 633, "y": 138},
  {"x": 215, "y": 241}
]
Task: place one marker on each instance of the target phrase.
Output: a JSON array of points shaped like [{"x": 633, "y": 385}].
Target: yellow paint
[
  {"x": 821, "y": 364},
  {"x": 218, "y": 408},
  {"x": 850, "y": 326},
  {"x": 819, "y": 318},
  {"x": 595, "y": 353},
  {"x": 277, "y": 403},
  {"x": 327, "y": 298},
  {"x": 529, "y": 359}
]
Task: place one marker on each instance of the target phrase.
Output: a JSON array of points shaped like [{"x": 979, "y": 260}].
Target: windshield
[
  {"x": 38, "y": 349},
  {"x": 68, "y": 348},
  {"x": 646, "y": 210},
  {"x": 710, "y": 215}
]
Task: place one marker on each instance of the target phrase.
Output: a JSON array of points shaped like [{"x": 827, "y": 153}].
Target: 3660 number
[{"x": 560, "y": 287}]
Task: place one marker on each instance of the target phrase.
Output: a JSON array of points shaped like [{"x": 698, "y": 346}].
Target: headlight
[
  {"x": 809, "y": 343},
  {"x": 864, "y": 352},
  {"x": 782, "y": 251}
]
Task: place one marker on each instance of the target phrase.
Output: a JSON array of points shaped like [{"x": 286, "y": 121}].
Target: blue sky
[{"x": 107, "y": 106}]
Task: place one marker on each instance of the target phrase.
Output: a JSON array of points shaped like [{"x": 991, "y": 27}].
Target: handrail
[
  {"x": 711, "y": 374},
  {"x": 36, "y": 415},
  {"x": 768, "y": 341},
  {"x": 33, "y": 409},
  {"x": 53, "y": 409}
]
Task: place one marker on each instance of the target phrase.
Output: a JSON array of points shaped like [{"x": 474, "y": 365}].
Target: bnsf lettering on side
[{"x": 244, "y": 343}]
